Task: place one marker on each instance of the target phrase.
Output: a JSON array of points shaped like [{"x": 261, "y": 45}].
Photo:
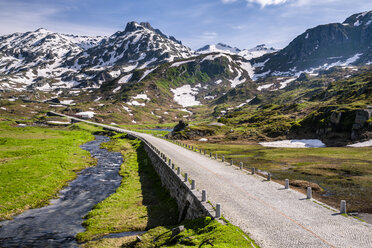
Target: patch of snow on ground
[
  {"x": 185, "y": 96},
  {"x": 67, "y": 102},
  {"x": 141, "y": 96},
  {"x": 362, "y": 144},
  {"x": 286, "y": 82},
  {"x": 116, "y": 89},
  {"x": 135, "y": 103},
  {"x": 265, "y": 86},
  {"x": 176, "y": 64},
  {"x": 88, "y": 114},
  {"x": 257, "y": 76},
  {"x": 302, "y": 143},
  {"x": 185, "y": 110},
  {"x": 97, "y": 99},
  {"x": 130, "y": 67},
  {"x": 128, "y": 110},
  {"x": 218, "y": 81},
  {"x": 59, "y": 122},
  {"x": 147, "y": 72},
  {"x": 346, "y": 62},
  {"x": 125, "y": 79},
  {"x": 45, "y": 87},
  {"x": 115, "y": 74},
  {"x": 248, "y": 68},
  {"x": 3, "y": 108},
  {"x": 244, "y": 103},
  {"x": 213, "y": 57},
  {"x": 203, "y": 139},
  {"x": 209, "y": 97},
  {"x": 261, "y": 64},
  {"x": 236, "y": 81}
]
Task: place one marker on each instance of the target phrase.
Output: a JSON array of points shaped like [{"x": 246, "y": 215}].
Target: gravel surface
[{"x": 272, "y": 215}]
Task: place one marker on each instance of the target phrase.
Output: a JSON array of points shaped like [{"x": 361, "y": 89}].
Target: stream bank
[{"x": 57, "y": 224}]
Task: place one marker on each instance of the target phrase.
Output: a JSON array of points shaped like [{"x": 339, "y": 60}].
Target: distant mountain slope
[
  {"x": 46, "y": 60},
  {"x": 255, "y": 52},
  {"x": 324, "y": 46},
  {"x": 139, "y": 45},
  {"x": 219, "y": 47}
]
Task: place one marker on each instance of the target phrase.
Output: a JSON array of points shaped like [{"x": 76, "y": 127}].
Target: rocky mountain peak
[
  {"x": 262, "y": 47},
  {"x": 132, "y": 26},
  {"x": 360, "y": 19}
]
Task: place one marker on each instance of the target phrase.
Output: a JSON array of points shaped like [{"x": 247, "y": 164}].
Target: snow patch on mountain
[
  {"x": 141, "y": 96},
  {"x": 286, "y": 82},
  {"x": 237, "y": 80},
  {"x": 147, "y": 72},
  {"x": 220, "y": 48},
  {"x": 125, "y": 79},
  {"x": 265, "y": 86},
  {"x": 301, "y": 143},
  {"x": 185, "y": 95},
  {"x": 176, "y": 64}
]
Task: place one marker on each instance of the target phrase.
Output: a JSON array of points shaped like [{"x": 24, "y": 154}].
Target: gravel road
[{"x": 272, "y": 215}]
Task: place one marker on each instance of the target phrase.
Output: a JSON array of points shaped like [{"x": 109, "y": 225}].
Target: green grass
[
  {"x": 345, "y": 173},
  {"x": 200, "y": 232},
  {"x": 35, "y": 163},
  {"x": 138, "y": 204}
]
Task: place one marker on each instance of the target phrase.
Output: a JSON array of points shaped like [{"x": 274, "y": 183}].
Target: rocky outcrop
[
  {"x": 335, "y": 126},
  {"x": 361, "y": 118}
]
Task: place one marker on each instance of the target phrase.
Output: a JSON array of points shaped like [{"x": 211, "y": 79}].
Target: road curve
[{"x": 271, "y": 215}]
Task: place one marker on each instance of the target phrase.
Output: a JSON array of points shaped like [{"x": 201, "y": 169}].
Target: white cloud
[{"x": 264, "y": 3}]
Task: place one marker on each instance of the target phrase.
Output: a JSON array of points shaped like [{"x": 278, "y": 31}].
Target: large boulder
[{"x": 180, "y": 126}]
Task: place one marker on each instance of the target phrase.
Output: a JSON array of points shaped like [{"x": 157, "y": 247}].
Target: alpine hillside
[{"x": 325, "y": 46}]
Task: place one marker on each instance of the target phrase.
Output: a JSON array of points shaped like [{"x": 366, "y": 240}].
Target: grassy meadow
[{"x": 36, "y": 162}]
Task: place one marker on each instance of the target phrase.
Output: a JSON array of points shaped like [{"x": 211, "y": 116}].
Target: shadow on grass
[{"x": 161, "y": 208}]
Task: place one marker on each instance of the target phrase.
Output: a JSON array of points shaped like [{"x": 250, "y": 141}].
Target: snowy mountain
[
  {"x": 256, "y": 52},
  {"x": 219, "y": 47},
  {"x": 138, "y": 46},
  {"x": 322, "y": 47},
  {"x": 26, "y": 58},
  {"x": 46, "y": 60}
]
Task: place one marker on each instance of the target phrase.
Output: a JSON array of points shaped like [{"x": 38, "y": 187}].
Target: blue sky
[{"x": 241, "y": 23}]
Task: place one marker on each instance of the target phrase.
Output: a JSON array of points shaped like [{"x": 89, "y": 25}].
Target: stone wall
[{"x": 189, "y": 201}]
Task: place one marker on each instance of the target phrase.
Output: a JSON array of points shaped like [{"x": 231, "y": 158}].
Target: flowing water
[{"x": 57, "y": 224}]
